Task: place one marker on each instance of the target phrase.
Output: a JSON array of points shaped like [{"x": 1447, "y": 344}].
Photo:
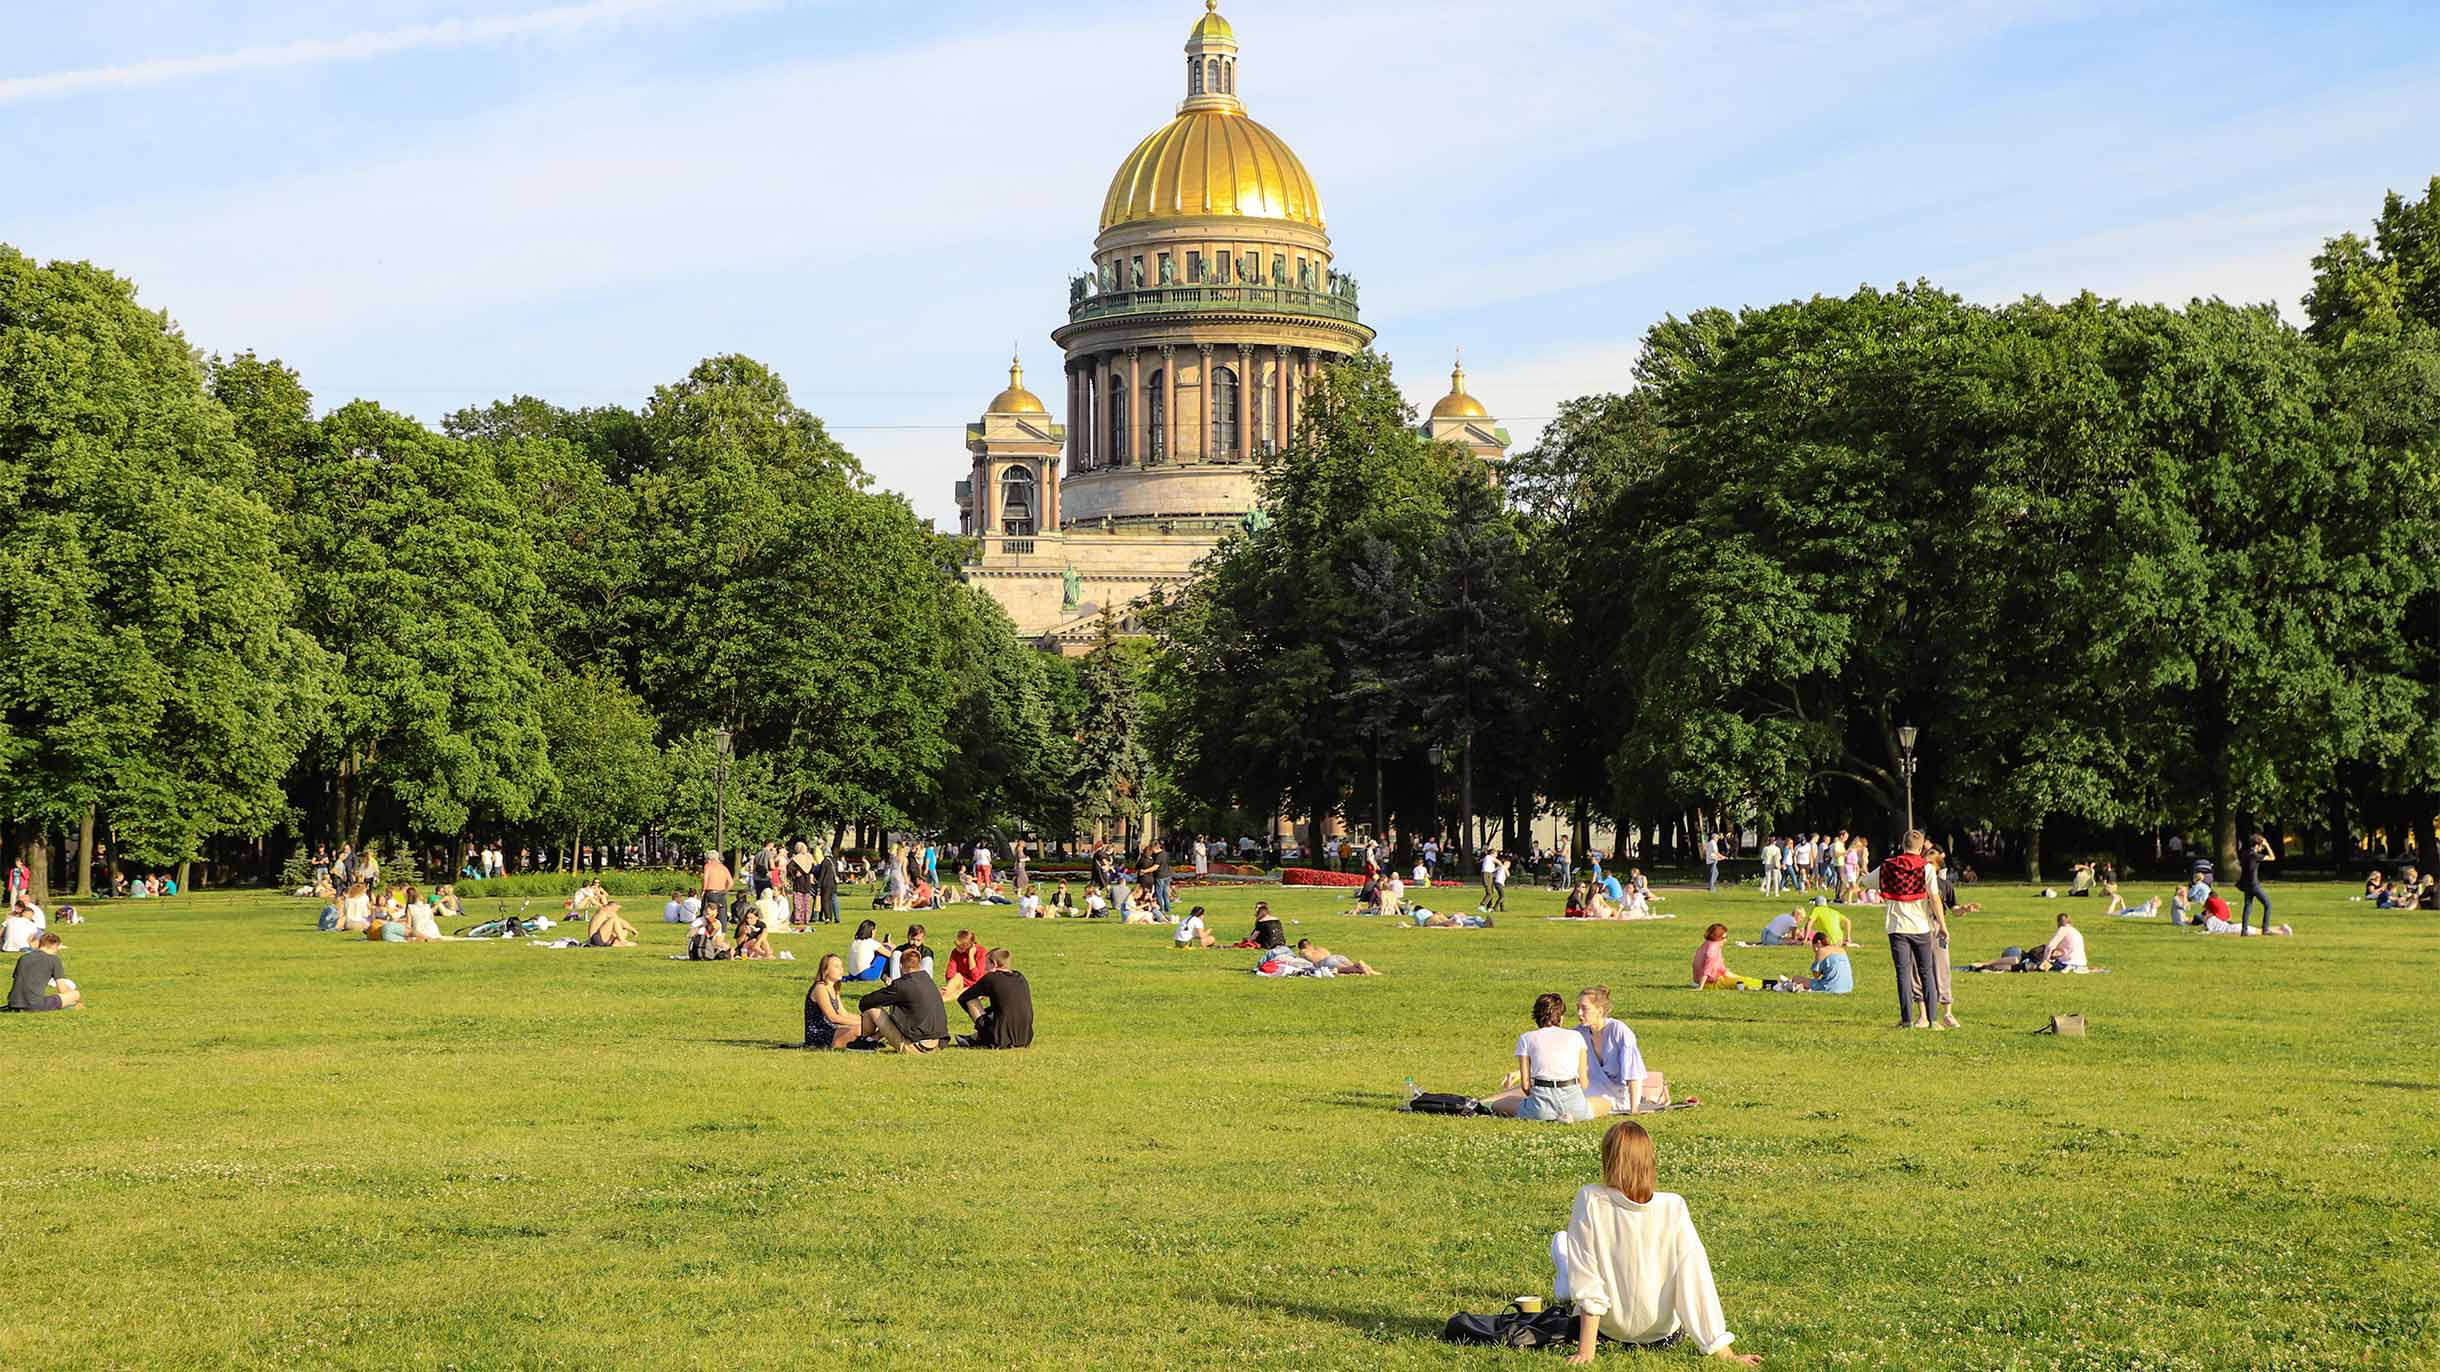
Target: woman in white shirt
[
  {"x": 1631, "y": 1262},
  {"x": 1552, "y": 1074}
]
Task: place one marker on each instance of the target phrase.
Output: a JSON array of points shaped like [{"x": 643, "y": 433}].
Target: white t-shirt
[
  {"x": 1553, "y": 1054},
  {"x": 1395, "y": 892},
  {"x": 1781, "y": 929},
  {"x": 675, "y": 912},
  {"x": 1030, "y": 907},
  {"x": 17, "y": 934},
  {"x": 1423, "y": 875},
  {"x": 1491, "y": 864},
  {"x": 2067, "y": 946},
  {"x": 1189, "y": 927},
  {"x": 860, "y": 954},
  {"x": 419, "y": 918},
  {"x": 982, "y": 856},
  {"x": 1093, "y": 901}
]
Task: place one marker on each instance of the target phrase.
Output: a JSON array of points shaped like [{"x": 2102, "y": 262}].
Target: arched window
[
  {"x": 1214, "y": 78},
  {"x": 1228, "y": 77},
  {"x": 1118, "y": 426},
  {"x": 1224, "y": 412},
  {"x": 1017, "y": 502},
  {"x": 1194, "y": 77},
  {"x": 1154, "y": 411}
]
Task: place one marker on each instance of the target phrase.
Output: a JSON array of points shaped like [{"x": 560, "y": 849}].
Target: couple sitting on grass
[
  {"x": 2064, "y": 952},
  {"x": 1830, "y": 973},
  {"x": 1577, "y": 1074},
  {"x": 910, "y": 1015}
]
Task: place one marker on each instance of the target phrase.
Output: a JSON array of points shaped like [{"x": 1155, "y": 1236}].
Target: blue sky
[{"x": 434, "y": 203}]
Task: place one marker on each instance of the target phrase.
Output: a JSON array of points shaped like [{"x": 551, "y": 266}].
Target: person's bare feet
[{"x": 1950, "y": 1022}]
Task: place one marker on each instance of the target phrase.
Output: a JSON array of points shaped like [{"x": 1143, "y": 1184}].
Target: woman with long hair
[
  {"x": 1552, "y": 1071},
  {"x": 1631, "y": 1262},
  {"x": 827, "y": 1022}
]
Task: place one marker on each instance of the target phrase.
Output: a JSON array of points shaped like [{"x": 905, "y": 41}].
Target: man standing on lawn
[
  {"x": 1491, "y": 880},
  {"x": 1711, "y": 861},
  {"x": 717, "y": 881}
]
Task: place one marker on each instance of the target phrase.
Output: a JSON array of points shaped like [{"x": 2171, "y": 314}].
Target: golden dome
[
  {"x": 1211, "y": 25},
  {"x": 1211, "y": 162},
  {"x": 1457, "y": 404},
  {"x": 1016, "y": 399}
]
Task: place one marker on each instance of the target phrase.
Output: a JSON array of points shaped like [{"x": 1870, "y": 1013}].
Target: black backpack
[
  {"x": 1446, "y": 1103},
  {"x": 1514, "y": 1328}
]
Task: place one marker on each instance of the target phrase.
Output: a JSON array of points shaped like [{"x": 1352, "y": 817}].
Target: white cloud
[{"x": 353, "y": 47}]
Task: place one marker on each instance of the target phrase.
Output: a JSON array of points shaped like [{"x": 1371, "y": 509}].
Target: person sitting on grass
[
  {"x": 707, "y": 939},
  {"x": 356, "y": 909},
  {"x": 606, "y": 928},
  {"x": 915, "y": 944},
  {"x": 1618, "y": 1082},
  {"x": 1267, "y": 933},
  {"x": 1553, "y": 1070},
  {"x": 1007, "y": 1020},
  {"x": 1029, "y": 905},
  {"x": 2376, "y": 889},
  {"x": 1063, "y": 902},
  {"x": 39, "y": 982},
  {"x": 1830, "y": 974},
  {"x": 907, "y": 1014},
  {"x": 753, "y": 937},
  {"x": 1393, "y": 895},
  {"x": 1830, "y": 920},
  {"x": 827, "y": 1023},
  {"x": 968, "y": 961},
  {"x": 1711, "y": 964},
  {"x": 1096, "y": 905},
  {"x": 1141, "y": 907},
  {"x": 868, "y": 956},
  {"x": 2415, "y": 891},
  {"x": 2215, "y": 921},
  {"x": 1335, "y": 963},
  {"x": 1782, "y": 931},
  {"x": 1191, "y": 933},
  {"x": 18, "y": 931},
  {"x": 422, "y": 922},
  {"x": 1579, "y": 901},
  {"x": 1631, "y": 1263}
]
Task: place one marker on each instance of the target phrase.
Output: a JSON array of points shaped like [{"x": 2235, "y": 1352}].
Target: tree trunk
[
  {"x": 186, "y": 868},
  {"x": 2033, "y": 854},
  {"x": 84, "y": 857},
  {"x": 35, "y": 849},
  {"x": 1465, "y": 805},
  {"x": 1580, "y": 834}
]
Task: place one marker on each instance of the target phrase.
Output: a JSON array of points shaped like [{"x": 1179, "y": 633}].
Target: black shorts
[{"x": 41, "y": 1004}]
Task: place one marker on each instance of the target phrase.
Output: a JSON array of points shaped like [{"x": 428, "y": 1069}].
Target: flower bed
[{"x": 1314, "y": 876}]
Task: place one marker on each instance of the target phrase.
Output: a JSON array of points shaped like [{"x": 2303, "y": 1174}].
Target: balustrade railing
[{"x": 1153, "y": 299}]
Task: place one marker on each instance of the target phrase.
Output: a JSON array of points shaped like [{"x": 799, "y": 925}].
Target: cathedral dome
[
  {"x": 1016, "y": 399},
  {"x": 1457, "y": 404},
  {"x": 1211, "y": 162}
]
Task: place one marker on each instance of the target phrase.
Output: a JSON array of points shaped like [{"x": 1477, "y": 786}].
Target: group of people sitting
[
  {"x": 1829, "y": 934},
  {"x": 909, "y": 1013},
  {"x": 2200, "y": 904},
  {"x": 2411, "y": 891},
  {"x": 1612, "y": 897},
  {"x": 396, "y": 914},
  {"x": 1577, "y": 1074}
]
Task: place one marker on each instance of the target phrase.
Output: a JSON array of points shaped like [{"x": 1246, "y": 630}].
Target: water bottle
[{"x": 1412, "y": 1090}]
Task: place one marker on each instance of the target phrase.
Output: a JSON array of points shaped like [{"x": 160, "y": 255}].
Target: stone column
[
  {"x": 1075, "y": 434},
  {"x": 1245, "y": 410},
  {"x": 1102, "y": 370},
  {"x": 984, "y": 525},
  {"x": 1169, "y": 404},
  {"x": 1279, "y": 401},
  {"x": 1203, "y": 416},
  {"x": 1136, "y": 427}
]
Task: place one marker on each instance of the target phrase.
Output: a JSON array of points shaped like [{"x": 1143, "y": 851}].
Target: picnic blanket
[{"x": 1287, "y": 964}]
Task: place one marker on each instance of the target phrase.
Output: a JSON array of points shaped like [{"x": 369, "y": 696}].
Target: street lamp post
[
  {"x": 1907, "y": 733},
  {"x": 1436, "y": 755},
  {"x": 721, "y": 738}
]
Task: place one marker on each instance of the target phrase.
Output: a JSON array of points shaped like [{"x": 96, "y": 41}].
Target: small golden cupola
[
  {"x": 1457, "y": 404},
  {"x": 1016, "y": 399}
]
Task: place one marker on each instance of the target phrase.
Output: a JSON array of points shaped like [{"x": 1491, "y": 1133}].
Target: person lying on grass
[
  {"x": 39, "y": 982},
  {"x": 1553, "y": 1070},
  {"x": 907, "y": 1014},
  {"x": 1711, "y": 963},
  {"x": 1830, "y": 974},
  {"x": 1007, "y": 1021},
  {"x": 1336, "y": 964},
  {"x": 1631, "y": 1262},
  {"x": 608, "y": 929},
  {"x": 827, "y": 1023},
  {"x": 1192, "y": 934},
  {"x": 1442, "y": 919}
]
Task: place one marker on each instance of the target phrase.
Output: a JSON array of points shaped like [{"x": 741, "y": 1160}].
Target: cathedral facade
[{"x": 1211, "y": 303}]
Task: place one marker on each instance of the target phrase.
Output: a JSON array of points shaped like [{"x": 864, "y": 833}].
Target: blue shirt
[
  {"x": 1832, "y": 974},
  {"x": 1617, "y": 893},
  {"x": 1612, "y": 1060}
]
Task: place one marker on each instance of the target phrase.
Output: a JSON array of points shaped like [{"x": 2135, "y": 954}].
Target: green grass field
[{"x": 263, "y": 1146}]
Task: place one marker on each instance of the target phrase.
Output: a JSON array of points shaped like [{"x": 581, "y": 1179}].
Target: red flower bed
[{"x": 1314, "y": 876}]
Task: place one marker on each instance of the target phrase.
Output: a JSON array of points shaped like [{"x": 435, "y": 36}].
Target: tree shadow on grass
[
  {"x": 2402, "y": 1085},
  {"x": 754, "y": 1043},
  {"x": 1388, "y": 1323}
]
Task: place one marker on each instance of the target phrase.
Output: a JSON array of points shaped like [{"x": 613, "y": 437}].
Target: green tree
[
  {"x": 418, "y": 575},
  {"x": 2376, "y": 287},
  {"x": 605, "y": 761},
  {"x": 146, "y": 664},
  {"x": 1111, "y": 766}
]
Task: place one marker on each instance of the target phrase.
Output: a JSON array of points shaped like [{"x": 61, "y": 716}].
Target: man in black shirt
[
  {"x": 1008, "y": 1020},
  {"x": 826, "y": 888},
  {"x": 30, "y": 985},
  {"x": 907, "y": 1014}
]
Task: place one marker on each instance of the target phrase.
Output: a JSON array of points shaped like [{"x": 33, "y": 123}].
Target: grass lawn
[{"x": 264, "y": 1146}]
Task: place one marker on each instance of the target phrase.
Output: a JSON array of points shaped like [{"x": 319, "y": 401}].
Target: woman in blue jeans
[{"x": 1552, "y": 1072}]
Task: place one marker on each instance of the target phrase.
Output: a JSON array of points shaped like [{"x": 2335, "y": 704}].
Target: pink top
[{"x": 1710, "y": 964}]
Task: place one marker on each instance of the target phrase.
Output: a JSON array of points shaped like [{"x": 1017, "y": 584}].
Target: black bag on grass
[
  {"x": 1445, "y": 1103},
  {"x": 1513, "y": 1328}
]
